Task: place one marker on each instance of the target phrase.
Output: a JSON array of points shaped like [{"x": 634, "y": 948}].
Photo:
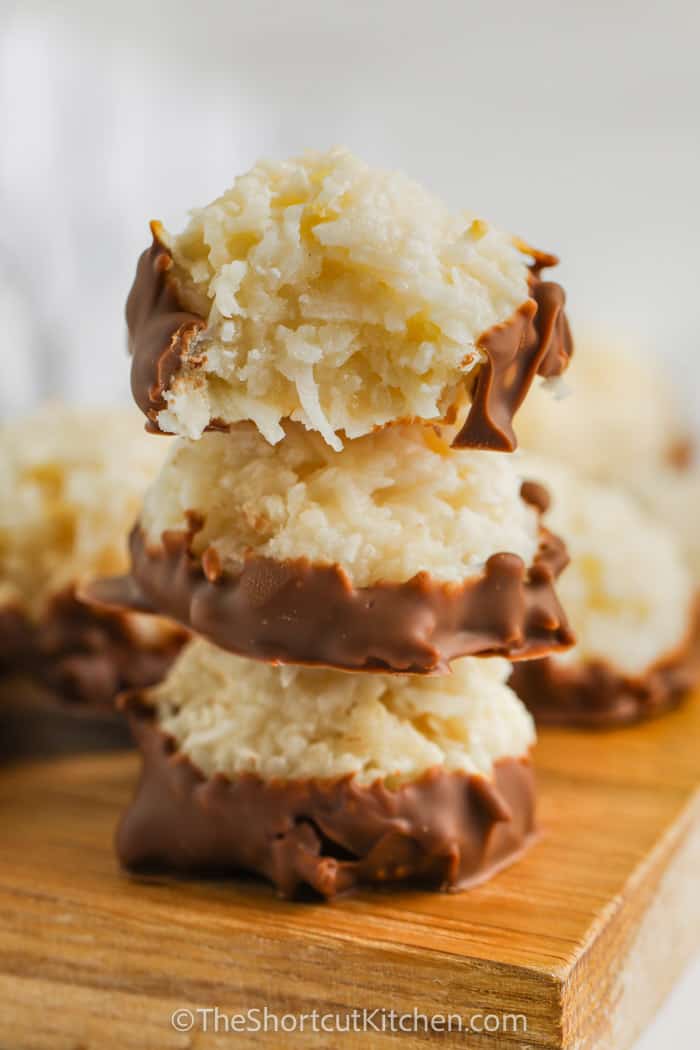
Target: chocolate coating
[
  {"x": 594, "y": 695},
  {"x": 682, "y": 454},
  {"x": 296, "y": 611},
  {"x": 35, "y": 724},
  {"x": 446, "y": 830},
  {"x": 84, "y": 655},
  {"x": 536, "y": 340},
  {"x": 160, "y": 328},
  {"x": 15, "y": 638}
]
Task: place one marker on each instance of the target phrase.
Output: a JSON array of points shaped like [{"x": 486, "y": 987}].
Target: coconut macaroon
[
  {"x": 630, "y": 599},
  {"x": 622, "y": 424},
  {"x": 345, "y": 298},
  {"x": 397, "y": 553},
  {"x": 71, "y": 484},
  {"x": 613, "y": 415},
  {"x": 673, "y": 496},
  {"x": 354, "y": 778}
]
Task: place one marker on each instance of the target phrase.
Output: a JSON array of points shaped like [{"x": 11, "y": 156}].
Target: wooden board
[{"x": 584, "y": 937}]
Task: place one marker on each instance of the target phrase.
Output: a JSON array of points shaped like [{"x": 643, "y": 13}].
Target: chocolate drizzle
[
  {"x": 296, "y": 611},
  {"x": 594, "y": 695},
  {"x": 84, "y": 655},
  {"x": 682, "y": 453},
  {"x": 536, "y": 495},
  {"x": 447, "y": 830},
  {"x": 535, "y": 341}
]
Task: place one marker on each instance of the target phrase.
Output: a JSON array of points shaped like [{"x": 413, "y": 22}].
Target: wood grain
[{"x": 584, "y": 937}]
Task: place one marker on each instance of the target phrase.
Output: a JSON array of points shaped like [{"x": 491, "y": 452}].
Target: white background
[{"x": 575, "y": 126}]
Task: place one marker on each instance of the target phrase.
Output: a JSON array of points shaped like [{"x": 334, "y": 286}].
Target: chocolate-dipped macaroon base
[
  {"x": 594, "y": 695},
  {"x": 36, "y": 724},
  {"x": 631, "y": 600},
  {"x": 445, "y": 830},
  {"x": 82, "y": 654},
  {"x": 15, "y": 638},
  {"x": 295, "y": 611}
]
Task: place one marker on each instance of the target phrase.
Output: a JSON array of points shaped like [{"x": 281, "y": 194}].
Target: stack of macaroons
[
  {"x": 310, "y": 337},
  {"x": 71, "y": 482}
]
